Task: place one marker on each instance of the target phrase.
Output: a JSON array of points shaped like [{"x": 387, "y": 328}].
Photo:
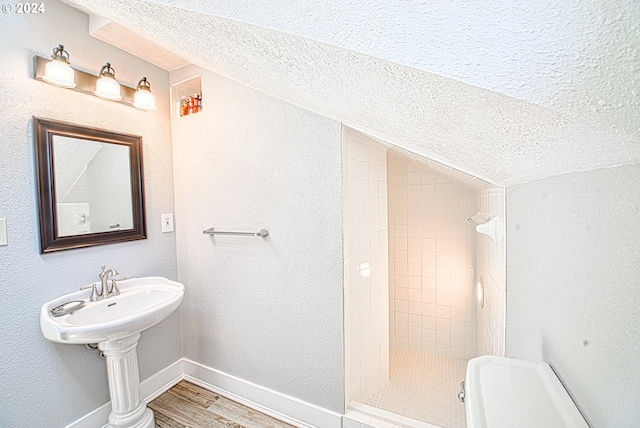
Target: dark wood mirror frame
[{"x": 50, "y": 240}]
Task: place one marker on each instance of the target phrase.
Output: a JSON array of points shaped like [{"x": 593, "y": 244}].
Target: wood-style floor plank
[
  {"x": 194, "y": 393},
  {"x": 163, "y": 421},
  {"x": 243, "y": 415},
  {"x": 188, "y": 414},
  {"x": 186, "y": 405}
]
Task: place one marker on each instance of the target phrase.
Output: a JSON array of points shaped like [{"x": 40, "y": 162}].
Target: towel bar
[{"x": 263, "y": 233}]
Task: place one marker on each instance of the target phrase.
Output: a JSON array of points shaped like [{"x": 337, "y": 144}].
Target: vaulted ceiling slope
[{"x": 508, "y": 91}]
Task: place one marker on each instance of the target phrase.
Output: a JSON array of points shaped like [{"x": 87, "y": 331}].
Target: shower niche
[{"x": 186, "y": 97}]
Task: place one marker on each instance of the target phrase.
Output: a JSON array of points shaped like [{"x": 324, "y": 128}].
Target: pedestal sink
[{"x": 115, "y": 324}]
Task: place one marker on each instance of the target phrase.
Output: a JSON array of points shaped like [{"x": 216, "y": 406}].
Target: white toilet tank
[{"x": 507, "y": 393}]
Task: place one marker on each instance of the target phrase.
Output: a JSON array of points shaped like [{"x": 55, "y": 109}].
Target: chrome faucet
[{"x": 105, "y": 291}]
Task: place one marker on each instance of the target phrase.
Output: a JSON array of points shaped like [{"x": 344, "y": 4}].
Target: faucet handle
[
  {"x": 94, "y": 292},
  {"x": 114, "y": 288}
]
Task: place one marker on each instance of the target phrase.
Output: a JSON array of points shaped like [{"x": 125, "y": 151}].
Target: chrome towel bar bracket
[{"x": 262, "y": 233}]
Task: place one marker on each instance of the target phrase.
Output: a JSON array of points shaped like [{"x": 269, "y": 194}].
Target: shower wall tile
[
  {"x": 491, "y": 268},
  {"x": 432, "y": 252},
  {"x": 366, "y": 266}
]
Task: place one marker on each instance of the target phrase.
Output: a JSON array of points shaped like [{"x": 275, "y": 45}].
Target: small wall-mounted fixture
[
  {"x": 107, "y": 87},
  {"x": 59, "y": 72},
  {"x": 480, "y": 291},
  {"x": 491, "y": 226}
]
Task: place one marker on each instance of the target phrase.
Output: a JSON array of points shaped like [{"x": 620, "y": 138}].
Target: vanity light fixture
[
  {"x": 107, "y": 87},
  {"x": 58, "y": 71},
  {"x": 144, "y": 99}
]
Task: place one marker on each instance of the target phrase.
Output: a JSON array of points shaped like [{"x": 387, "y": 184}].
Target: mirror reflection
[{"x": 92, "y": 186}]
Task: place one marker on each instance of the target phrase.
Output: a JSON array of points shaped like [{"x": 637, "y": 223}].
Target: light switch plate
[
  {"x": 167, "y": 222},
  {"x": 3, "y": 231}
]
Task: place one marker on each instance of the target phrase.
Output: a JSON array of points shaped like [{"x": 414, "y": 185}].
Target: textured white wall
[
  {"x": 366, "y": 268},
  {"x": 46, "y": 384},
  {"x": 573, "y": 286},
  {"x": 491, "y": 266},
  {"x": 584, "y": 56},
  {"x": 268, "y": 311}
]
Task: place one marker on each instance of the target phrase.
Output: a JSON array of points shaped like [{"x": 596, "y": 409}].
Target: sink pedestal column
[{"x": 127, "y": 410}]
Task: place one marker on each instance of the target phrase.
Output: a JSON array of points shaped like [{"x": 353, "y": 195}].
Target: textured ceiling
[
  {"x": 129, "y": 41},
  {"x": 506, "y": 92}
]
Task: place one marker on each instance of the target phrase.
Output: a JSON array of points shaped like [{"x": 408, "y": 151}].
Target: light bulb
[
  {"x": 58, "y": 71},
  {"x": 143, "y": 98},
  {"x": 107, "y": 87}
]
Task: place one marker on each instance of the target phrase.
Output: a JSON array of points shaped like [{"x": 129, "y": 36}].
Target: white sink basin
[{"x": 142, "y": 303}]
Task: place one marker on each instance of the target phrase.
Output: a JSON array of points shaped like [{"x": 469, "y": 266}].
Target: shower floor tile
[{"x": 424, "y": 387}]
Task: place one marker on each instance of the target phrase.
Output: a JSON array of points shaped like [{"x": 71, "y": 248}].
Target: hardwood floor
[{"x": 187, "y": 405}]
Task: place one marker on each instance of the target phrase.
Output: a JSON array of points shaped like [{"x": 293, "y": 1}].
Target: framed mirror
[{"x": 90, "y": 187}]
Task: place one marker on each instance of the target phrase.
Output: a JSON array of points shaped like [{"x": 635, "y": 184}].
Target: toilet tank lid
[{"x": 506, "y": 393}]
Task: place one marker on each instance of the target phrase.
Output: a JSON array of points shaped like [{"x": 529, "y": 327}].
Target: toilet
[{"x": 507, "y": 393}]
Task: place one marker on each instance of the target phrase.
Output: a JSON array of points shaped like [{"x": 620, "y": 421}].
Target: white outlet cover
[{"x": 167, "y": 222}]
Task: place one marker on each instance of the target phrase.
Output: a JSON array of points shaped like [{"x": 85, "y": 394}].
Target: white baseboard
[
  {"x": 286, "y": 408},
  {"x": 158, "y": 383},
  {"x": 97, "y": 418}
]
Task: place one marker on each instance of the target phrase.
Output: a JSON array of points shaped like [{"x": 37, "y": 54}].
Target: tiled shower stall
[{"x": 412, "y": 265}]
